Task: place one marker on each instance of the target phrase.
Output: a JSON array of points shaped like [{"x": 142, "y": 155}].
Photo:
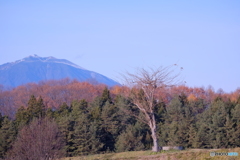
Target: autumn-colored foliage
[
  {"x": 91, "y": 119},
  {"x": 56, "y": 92},
  {"x": 53, "y": 92},
  {"x": 191, "y": 97}
]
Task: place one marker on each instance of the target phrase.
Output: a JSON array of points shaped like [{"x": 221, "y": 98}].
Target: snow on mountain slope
[
  {"x": 34, "y": 69},
  {"x": 35, "y": 58}
]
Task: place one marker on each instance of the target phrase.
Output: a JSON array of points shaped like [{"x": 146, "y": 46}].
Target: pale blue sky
[{"x": 111, "y": 37}]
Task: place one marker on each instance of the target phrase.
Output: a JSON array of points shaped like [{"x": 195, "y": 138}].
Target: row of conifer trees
[{"x": 102, "y": 125}]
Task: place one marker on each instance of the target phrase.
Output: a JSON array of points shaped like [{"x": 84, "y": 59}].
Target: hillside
[{"x": 35, "y": 69}]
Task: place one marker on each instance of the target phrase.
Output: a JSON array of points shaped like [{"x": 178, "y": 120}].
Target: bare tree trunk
[
  {"x": 155, "y": 147},
  {"x": 153, "y": 127}
]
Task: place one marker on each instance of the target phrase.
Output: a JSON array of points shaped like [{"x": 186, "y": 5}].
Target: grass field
[{"x": 191, "y": 154}]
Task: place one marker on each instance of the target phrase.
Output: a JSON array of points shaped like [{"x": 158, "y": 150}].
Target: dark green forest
[{"x": 102, "y": 126}]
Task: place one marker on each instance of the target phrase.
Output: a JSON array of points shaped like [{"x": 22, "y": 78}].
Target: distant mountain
[{"x": 35, "y": 69}]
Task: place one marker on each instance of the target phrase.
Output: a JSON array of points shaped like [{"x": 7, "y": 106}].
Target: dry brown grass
[{"x": 191, "y": 154}]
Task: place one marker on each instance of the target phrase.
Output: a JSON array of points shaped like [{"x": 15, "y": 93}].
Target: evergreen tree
[
  {"x": 203, "y": 138},
  {"x": 8, "y": 134},
  {"x": 197, "y": 107},
  {"x": 63, "y": 111},
  {"x": 41, "y": 107},
  {"x": 218, "y": 130},
  {"x": 21, "y": 117},
  {"x": 95, "y": 109},
  {"x": 216, "y": 127},
  {"x": 35, "y": 108},
  {"x": 178, "y": 119},
  {"x": 79, "y": 107},
  {"x": 105, "y": 115},
  {"x": 204, "y": 135},
  {"x": 50, "y": 113},
  {"x": 160, "y": 111},
  {"x": 147, "y": 141},
  {"x": 124, "y": 120},
  {"x": 123, "y": 104},
  {"x": 105, "y": 97},
  {"x": 236, "y": 125},
  {"x": 86, "y": 136},
  {"x": 230, "y": 130},
  {"x": 109, "y": 126},
  {"x": 130, "y": 140},
  {"x": 66, "y": 124},
  {"x": 192, "y": 136},
  {"x": 98, "y": 103}
]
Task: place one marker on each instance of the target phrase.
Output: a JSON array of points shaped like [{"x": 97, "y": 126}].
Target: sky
[{"x": 115, "y": 37}]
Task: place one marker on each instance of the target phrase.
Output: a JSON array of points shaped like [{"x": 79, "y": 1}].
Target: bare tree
[
  {"x": 40, "y": 140},
  {"x": 144, "y": 84}
]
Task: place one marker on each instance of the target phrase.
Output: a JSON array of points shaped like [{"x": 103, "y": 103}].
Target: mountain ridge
[
  {"x": 35, "y": 57},
  {"x": 35, "y": 69}
]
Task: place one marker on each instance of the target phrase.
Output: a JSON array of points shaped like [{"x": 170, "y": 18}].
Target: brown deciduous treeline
[
  {"x": 56, "y": 93},
  {"x": 53, "y": 92}
]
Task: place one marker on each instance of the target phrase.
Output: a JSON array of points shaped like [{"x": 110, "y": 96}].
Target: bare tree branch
[
  {"x": 144, "y": 84},
  {"x": 41, "y": 139}
]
